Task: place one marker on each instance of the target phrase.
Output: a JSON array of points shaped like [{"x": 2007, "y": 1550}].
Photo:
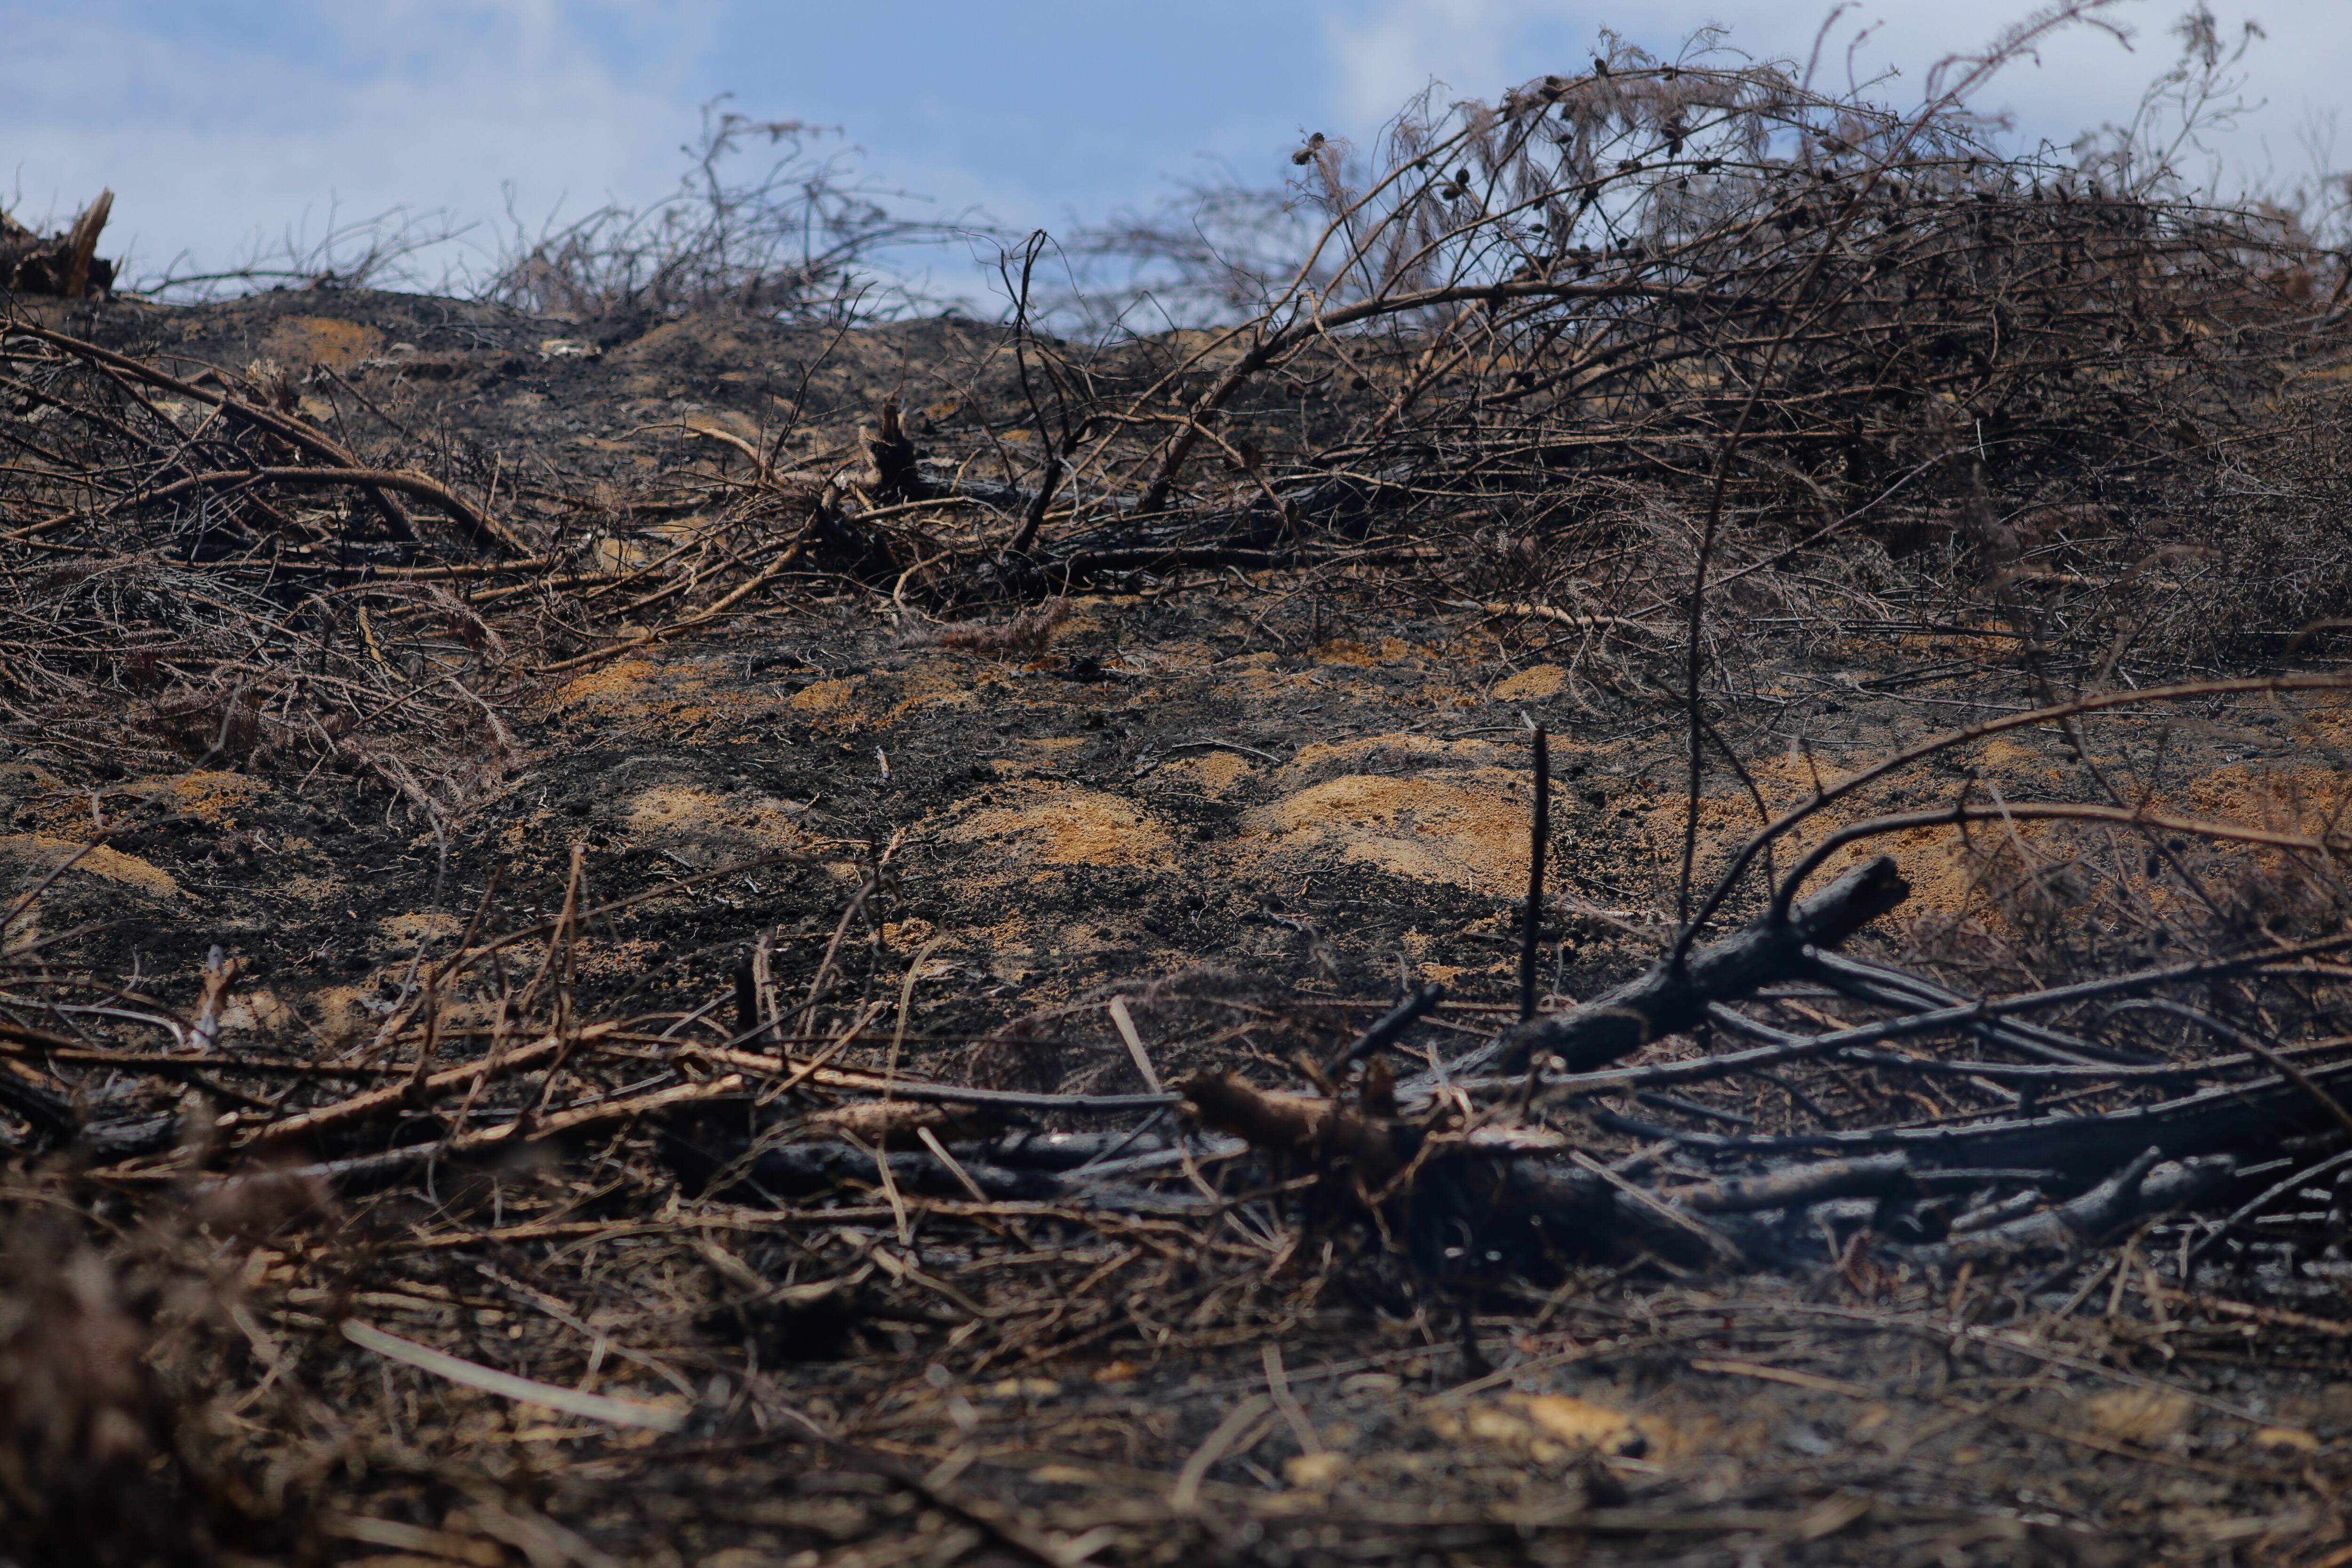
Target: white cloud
[
  {"x": 209, "y": 138},
  {"x": 1382, "y": 60}
]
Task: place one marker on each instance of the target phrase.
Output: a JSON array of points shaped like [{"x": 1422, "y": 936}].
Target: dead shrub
[
  {"x": 1027, "y": 634},
  {"x": 791, "y": 240}
]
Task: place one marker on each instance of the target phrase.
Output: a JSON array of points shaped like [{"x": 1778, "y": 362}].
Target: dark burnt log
[
  {"x": 1572, "y": 1212},
  {"x": 2147, "y": 1185},
  {"x": 68, "y": 265},
  {"x": 894, "y": 475},
  {"x": 1672, "y": 998},
  {"x": 50, "y": 1113},
  {"x": 107, "y": 1141},
  {"x": 1323, "y": 1131},
  {"x": 901, "y": 1125},
  {"x": 57, "y": 1122},
  {"x": 1873, "y": 1176},
  {"x": 805, "y": 1170},
  {"x": 1546, "y": 1208},
  {"x": 1453, "y": 1201},
  {"x": 2230, "y": 1118},
  {"x": 1253, "y": 533},
  {"x": 1577, "y": 1212},
  {"x": 1029, "y": 1151}
]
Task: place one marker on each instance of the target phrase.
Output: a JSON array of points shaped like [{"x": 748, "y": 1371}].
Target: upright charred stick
[{"x": 1538, "y": 840}]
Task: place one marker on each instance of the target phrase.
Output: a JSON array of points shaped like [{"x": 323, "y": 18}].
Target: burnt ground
[{"x": 1314, "y": 784}]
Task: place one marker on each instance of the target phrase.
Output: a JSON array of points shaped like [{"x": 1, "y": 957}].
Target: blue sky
[{"x": 220, "y": 119}]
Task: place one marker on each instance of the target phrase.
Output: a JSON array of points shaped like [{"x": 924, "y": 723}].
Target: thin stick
[
  {"x": 1538, "y": 840},
  {"x": 906, "y": 996},
  {"x": 1186, "y": 1498},
  {"x": 529, "y": 1391},
  {"x": 1277, "y": 1386},
  {"x": 1126, "y": 1022}
]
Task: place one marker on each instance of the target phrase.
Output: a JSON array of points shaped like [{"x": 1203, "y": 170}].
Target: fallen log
[
  {"x": 1673, "y": 997},
  {"x": 2147, "y": 1185},
  {"x": 2230, "y": 1118},
  {"x": 1322, "y": 1131},
  {"x": 1798, "y": 1185}
]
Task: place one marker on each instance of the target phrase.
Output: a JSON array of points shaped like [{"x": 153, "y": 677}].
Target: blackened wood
[
  {"x": 1669, "y": 999},
  {"x": 747, "y": 1002},
  {"x": 1028, "y": 1150},
  {"x": 2240, "y": 1117},
  {"x": 1872, "y": 1176},
  {"x": 1539, "y": 839},
  {"x": 1390, "y": 1025},
  {"x": 2145, "y": 1186}
]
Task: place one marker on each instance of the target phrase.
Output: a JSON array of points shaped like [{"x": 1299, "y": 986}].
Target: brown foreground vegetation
[{"x": 691, "y": 935}]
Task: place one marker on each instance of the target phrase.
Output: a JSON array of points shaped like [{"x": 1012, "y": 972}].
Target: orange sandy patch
[
  {"x": 1933, "y": 860},
  {"x": 1416, "y": 750},
  {"x": 1344, "y": 650},
  {"x": 937, "y": 699},
  {"x": 2328, "y": 715},
  {"x": 696, "y": 336},
  {"x": 617, "y": 682},
  {"x": 212, "y": 798},
  {"x": 2280, "y": 796},
  {"x": 414, "y": 930},
  {"x": 631, "y": 957},
  {"x": 1549, "y": 1427},
  {"x": 1253, "y": 677},
  {"x": 39, "y": 853},
  {"x": 952, "y": 682},
  {"x": 257, "y": 1011},
  {"x": 1215, "y": 771},
  {"x": 1469, "y": 829},
  {"x": 1013, "y": 948},
  {"x": 827, "y": 697},
  {"x": 906, "y": 936},
  {"x": 1347, "y": 650},
  {"x": 2005, "y": 752},
  {"x": 684, "y": 694},
  {"x": 739, "y": 426},
  {"x": 301, "y": 341},
  {"x": 1065, "y": 827},
  {"x": 312, "y": 890},
  {"x": 340, "y": 1012},
  {"x": 675, "y": 808},
  {"x": 1542, "y": 681},
  {"x": 1038, "y": 755}
]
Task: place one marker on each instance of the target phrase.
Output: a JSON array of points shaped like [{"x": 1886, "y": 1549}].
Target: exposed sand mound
[{"x": 1061, "y": 826}]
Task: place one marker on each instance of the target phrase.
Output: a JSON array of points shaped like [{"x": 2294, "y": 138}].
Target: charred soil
[{"x": 680, "y": 940}]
